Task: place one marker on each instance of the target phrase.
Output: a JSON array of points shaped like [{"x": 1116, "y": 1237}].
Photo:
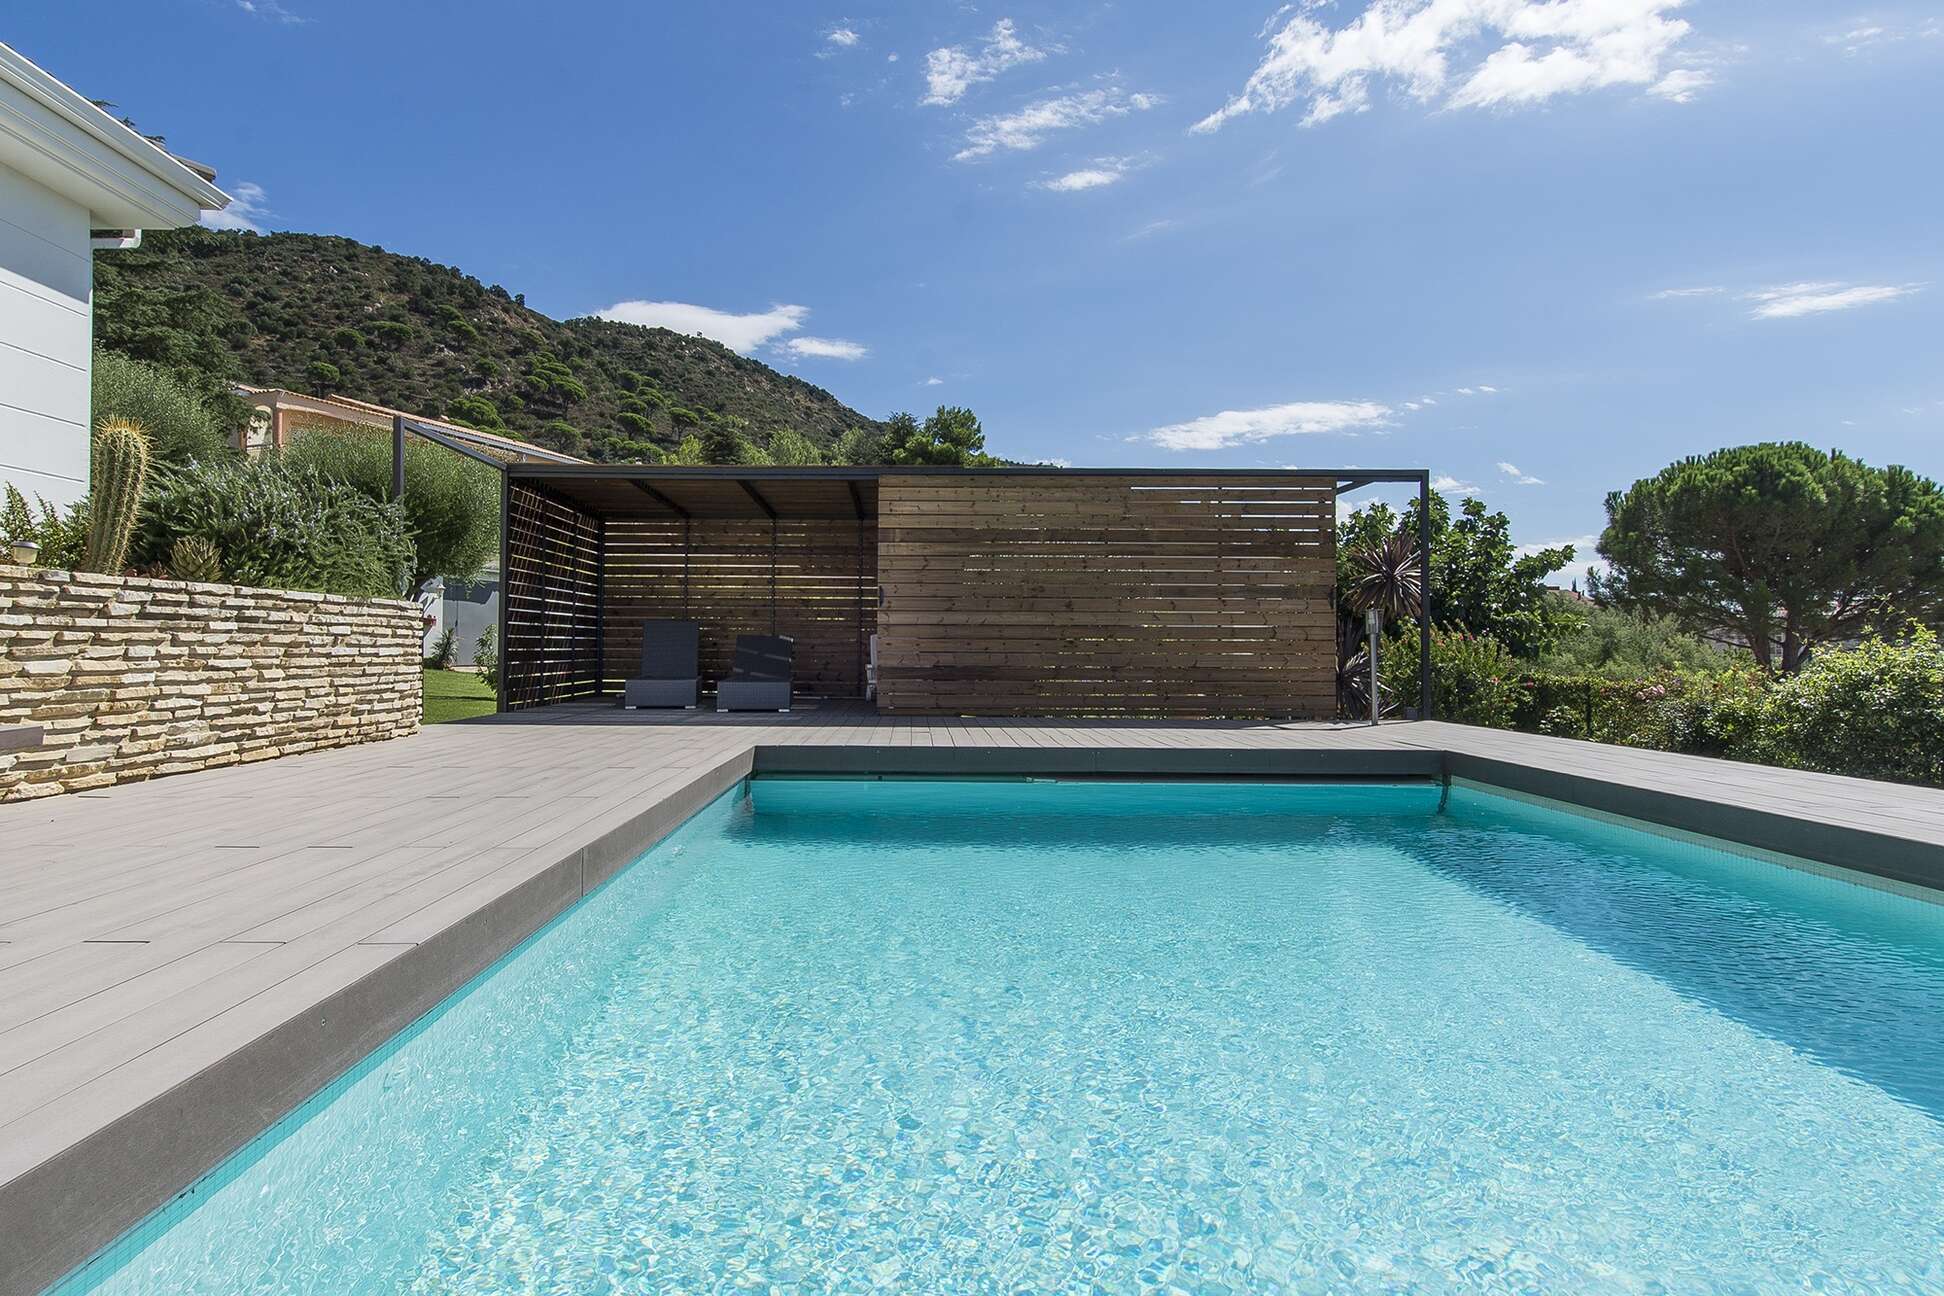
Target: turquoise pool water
[{"x": 1082, "y": 1037}]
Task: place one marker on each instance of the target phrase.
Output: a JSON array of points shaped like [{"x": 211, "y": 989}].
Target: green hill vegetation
[{"x": 321, "y": 314}]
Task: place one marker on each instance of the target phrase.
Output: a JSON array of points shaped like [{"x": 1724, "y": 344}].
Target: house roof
[
  {"x": 53, "y": 135},
  {"x": 370, "y": 414}
]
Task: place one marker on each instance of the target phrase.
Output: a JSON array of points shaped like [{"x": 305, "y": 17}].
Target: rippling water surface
[{"x": 1081, "y": 1037}]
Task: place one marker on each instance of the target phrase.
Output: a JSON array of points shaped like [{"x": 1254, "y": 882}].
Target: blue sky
[{"x": 1542, "y": 248}]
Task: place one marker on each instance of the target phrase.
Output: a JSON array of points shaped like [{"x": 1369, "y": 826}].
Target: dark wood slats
[
  {"x": 812, "y": 579},
  {"x": 552, "y": 588}
]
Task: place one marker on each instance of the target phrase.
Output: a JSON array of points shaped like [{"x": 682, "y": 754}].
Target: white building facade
[{"x": 72, "y": 179}]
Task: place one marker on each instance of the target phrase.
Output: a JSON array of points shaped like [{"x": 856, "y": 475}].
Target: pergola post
[{"x": 1424, "y": 597}]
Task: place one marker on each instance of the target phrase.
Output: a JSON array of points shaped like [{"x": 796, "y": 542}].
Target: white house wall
[{"x": 46, "y": 288}]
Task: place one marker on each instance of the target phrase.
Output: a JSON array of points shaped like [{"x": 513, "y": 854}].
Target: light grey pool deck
[{"x": 183, "y": 961}]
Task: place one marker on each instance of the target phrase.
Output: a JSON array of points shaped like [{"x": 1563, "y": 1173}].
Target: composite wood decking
[{"x": 183, "y": 961}]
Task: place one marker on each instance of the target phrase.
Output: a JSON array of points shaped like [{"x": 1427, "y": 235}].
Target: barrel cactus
[
  {"x": 119, "y": 465},
  {"x": 192, "y": 558}
]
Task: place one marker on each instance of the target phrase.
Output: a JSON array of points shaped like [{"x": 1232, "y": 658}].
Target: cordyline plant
[{"x": 1385, "y": 577}]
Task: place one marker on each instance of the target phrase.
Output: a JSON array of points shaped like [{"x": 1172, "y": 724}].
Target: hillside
[{"x": 320, "y": 314}]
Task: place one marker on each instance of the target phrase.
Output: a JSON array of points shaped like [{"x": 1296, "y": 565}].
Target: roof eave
[{"x": 53, "y": 135}]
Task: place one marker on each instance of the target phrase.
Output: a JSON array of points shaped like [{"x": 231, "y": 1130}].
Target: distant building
[
  {"x": 1572, "y": 593},
  {"x": 72, "y": 179},
  {"x": 280, "y": 415}
]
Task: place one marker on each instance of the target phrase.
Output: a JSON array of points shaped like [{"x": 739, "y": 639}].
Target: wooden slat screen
[
  {"x": 552, "y": 588},
  {"x": 818, "y": 585},
  {"x": 1179, "y": 597}
]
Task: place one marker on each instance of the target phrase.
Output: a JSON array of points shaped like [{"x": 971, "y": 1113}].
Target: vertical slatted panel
[
  {"x": 812, "y": 579},
  {"x": 1177, "y": 597},
  {"x": 552, "y": 589}
]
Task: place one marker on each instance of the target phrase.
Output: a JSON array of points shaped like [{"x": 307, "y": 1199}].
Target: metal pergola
[{"x": 773, "y": 494}]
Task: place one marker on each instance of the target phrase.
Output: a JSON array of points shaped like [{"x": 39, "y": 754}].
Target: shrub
[
  {"x": 391, "y": 333},
  {"x": 1874, "y": 711},
  {"x": 451, "y": 502},
  {"x": 1473, "y": 679},
  {"x": 181, "y": 426},
  {"x": 477, "y": 412},
  {"x": 279, "y": 526},
  {"x": 486, "y": 656},
  {"x": 440, "y": 658},
  {"x": 60, "y": 538}
]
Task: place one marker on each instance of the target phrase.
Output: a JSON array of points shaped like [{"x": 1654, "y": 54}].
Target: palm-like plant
[{"x": 1385, "y": 578}]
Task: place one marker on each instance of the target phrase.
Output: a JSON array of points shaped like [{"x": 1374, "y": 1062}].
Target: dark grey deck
[{"x": 183, "y": 961}]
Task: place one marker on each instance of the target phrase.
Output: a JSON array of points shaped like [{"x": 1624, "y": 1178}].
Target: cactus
[
  {"x": 193, "y": 558},
  {"x": 119, "y": 463}
]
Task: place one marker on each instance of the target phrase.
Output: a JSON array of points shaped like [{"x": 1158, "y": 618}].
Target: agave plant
[{"x": 1385, "y": 578}]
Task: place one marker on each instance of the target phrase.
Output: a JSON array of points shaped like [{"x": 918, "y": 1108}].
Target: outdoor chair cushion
[
  {"x": 669, "y": 675},
  {"x": 761, "y": 675}
]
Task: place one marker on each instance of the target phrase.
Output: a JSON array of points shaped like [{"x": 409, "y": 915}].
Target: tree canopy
[
  {"x": 1480, "y": 583},
  {"x": 1778, "y": 546},
  {"x": 951, "y": 437}
]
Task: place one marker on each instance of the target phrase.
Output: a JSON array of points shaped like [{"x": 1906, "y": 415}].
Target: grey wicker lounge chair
[
  {"x": 669, "y": 676},
  {"x": 760, "y": 679}
]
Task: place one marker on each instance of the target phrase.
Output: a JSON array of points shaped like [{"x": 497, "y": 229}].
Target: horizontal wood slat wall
[
  {"x": 819, "y": 586},
  {"x": 552, "y": 588},
  {"x": 1181, "y": 597}
]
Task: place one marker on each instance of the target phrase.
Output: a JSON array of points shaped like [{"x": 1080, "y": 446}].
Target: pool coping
[{"x": 75, "y": 1204}]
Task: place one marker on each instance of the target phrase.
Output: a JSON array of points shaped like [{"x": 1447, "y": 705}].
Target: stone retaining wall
[{"x": 131, "y": 678}]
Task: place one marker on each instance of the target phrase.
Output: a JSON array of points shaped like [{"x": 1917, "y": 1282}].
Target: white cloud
[
  {"x": 271, "y": 10},
  {"x": 1446, "y": 484},
  {"x": 1672, "y": 294},
  {"x": 1791, "y": 301},
  {"x": 1864, "y": 35},
  {"x": 934, "y": 382},
  {"x": 1102, "y": 172},
  {"x": 1298, "y": 418},
  {"x": 1540, "y": 49},
  {"x": 1681, "y": 85},
  {"x": 816, "y": 348},
  {"x": 1518, "y": 476},
  {"x": 1028, "y": 128},
  {"x": 1153, "y": 227},
  {"x": 841, "y": 37},
  {"x": 1466, "y": 391},
  {"x": 1488, "y": 391},
  {"x": 247, "y": 209},
  {"x": 952, "y": 70},
  {"x": 737, "y": 332},
  {"x": 1586, "y": 555}
]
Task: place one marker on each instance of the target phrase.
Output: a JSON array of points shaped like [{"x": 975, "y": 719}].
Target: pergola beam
[
  {"x": 660, "y": 499},
  {"x": 769, "y": 510}
]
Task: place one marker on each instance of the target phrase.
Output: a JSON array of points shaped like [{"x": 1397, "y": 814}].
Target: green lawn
[{"x": 455, "y": 695}]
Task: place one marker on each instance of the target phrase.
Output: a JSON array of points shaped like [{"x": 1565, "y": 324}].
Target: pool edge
[{"x": 72, "y": 1207}]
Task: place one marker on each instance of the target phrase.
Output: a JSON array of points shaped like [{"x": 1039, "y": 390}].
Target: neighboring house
[
  {"x": 279, "y": 415},
  {"x": 72, "y": 179}
]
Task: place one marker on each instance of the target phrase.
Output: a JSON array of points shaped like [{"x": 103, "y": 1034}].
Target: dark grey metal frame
[{"x": 1346, "y": 479}]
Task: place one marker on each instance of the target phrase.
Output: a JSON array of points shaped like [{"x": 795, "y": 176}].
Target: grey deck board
[{"x": 154, "y": 933}]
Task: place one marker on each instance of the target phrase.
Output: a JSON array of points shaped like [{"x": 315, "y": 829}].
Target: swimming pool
[{"x": 935, "y": 1036}]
